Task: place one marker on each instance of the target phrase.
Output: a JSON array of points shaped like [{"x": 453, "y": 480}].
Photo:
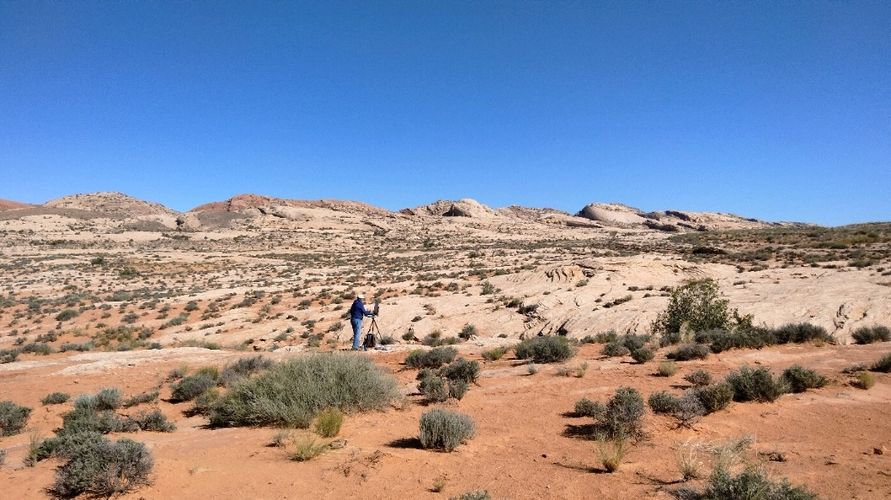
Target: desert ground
[{"x": 106, "y": 291}]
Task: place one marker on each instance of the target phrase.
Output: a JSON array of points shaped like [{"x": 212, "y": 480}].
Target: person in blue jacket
[{"x": 357, "y": 313}]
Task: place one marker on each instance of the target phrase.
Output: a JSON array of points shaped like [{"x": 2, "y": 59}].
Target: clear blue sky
[{"x": 776, "y": 110}]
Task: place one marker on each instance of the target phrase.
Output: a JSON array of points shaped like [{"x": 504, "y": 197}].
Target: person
[{"x": 357, "y": 313}]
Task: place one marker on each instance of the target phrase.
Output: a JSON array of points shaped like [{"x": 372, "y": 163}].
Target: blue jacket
[{"x": 358, "y": 311}]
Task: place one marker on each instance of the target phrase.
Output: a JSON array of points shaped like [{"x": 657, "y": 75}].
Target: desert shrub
[
  {"x": 40, "y": 348},
  {"x": 434, "y": 388},
  {"x": 696, "y": 307},
  {"x": 545, "y": 349},
  {"x": 305, "y": 448},
  {"x": 663, "y": 402},
  {"x": 756, "y": 385},
  {"x": 720, "y": 340},
  {"x": 690, "y": 409},
  {"x": 643, "y": 354},
  {"x": 153, "y": 421},
  {"x": 108, "y": 398},
  {"x": 751, "y": 484},
  {"x": 192, "y": 386},
  {"x": 495, "y": 354},
  {"x": 9, "y": 355},
  {"x": 883, "y": 364},
  {"x": 666, "y": 369},
  {"x": 864, "y": 380},
  {"x": 699, "y": 378},
  {"x": 445, "y": 430},
  {"x": 687, "y": 352},
  {"x": 458, "y": 388},
  {"x": 473, "y": 495},
  {"x": 55, "y": 398},
  {"x": 800, "y": 379},
  {"x": 142, "y": 398},
  {"x": 612, "y": 452},
  {"x": 88, "y": 419},
  {"x": 714, "y": 397},
  {"x": 461, "y": 369},
  {"x": 67, "y": 314},
  {"x": 587, "y": 408},
  {"x": 12, "y": 418},
  {"x": 292, "y": 392},
  {"x": 434, "y": 358},
  {"x": 2, "y": 457},
  {"x": 870, "y": 334},
  {"x": 244, "y": 367},
  {"x": 328, "y": 422},
  {"x": 467, "y": 332},
  {"x": 623, "y": 415},
  {"x": 66, "y": 445},
  {"x": 614, "y": 350},
  {"x": 104, "y": 468},
  {"x": 798, "y": 333}
]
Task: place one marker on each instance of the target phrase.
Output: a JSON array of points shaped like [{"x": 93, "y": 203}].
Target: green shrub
[
  {"x": 864, "y": 380},
  {"x": 87, "y": 419},
  {"x": 587, "y": 408},
  {"x": 751, "y": 484},
  {"x": 107, "y": 399},
  {"x": 870, "y": 334},
  {"x": 467, "y": 332},
  {"x": 623, "y": 415},
  {"x": 461, "y": 369},
  {"x": 690, "y": 408},
  {"x": 720, "y": 340},
  {"x": 104, "y": 469},
  {"x": 434, "y": 388},
  {"x": 244, "y": 367},
  {"x": 696, "y": 307},
  {"x": 801, "y": 379},
  {"x": 434, "y": 358},
  {"x": 67, "y": 314},
  {"x": 328, "y": 422},
  {"x": 699, "y": 378},
  {"x": 663, "y": 402},
  {"x": 153, "y": 421},
  {"x": 756, "y": 385},
  {"x": 495, "y": 354},
  {"x": 666, "y": 369},
  {"x": 142, "y": 398},
  {"x": 714, "y": 397},
  {"x": 445, "y": 430},
  {"x": 473, "y": 495},
  {"x": 643, "y": 354},
  {"x": 458, "y": 388},
  {"x": 55, "y": 398},
  {"x": 882, "y": 365},
  {"x": 306, "y": 448},
  {"x": 12, "y": 418},
  {"x": 66, "y": 445},
  {"x": 545, "y": 349},
  {"x": 798, "y": 333},
  {"x": 687, "y": 352},
  {"x": 192, "y": 386},
  {"x": 293, "y": 392},
  {"x": 615, "y": 350}
]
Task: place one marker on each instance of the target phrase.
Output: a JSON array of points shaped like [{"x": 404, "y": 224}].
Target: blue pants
[{"x": 357, "y": 332}]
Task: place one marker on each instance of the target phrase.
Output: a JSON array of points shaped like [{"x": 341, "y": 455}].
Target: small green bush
[
  {"x": 714, "y": 397},
  {"x": 458, "y": 388},
  {"x": 699, "y": 378},
  {"x": 87, "y": 419},
  {"x": 153, "y": 421},
  {"x": 545, "y": 349},
  {"x": 643, "y": 354},
  {"x": 800, "y": 379},
  {"x": 663, "y": 402},
  {"x": 864, "y": 380},
  {"x": 690, "y": 409},
  {"x": 445, "y": 430},
  {"x": 666, "y": 369},
  {"x": 104, "y": 469},
  {"x": 687, "y": 352},
  {"x": 66, "y": 445},
  {"x": 434, "y": 388},
  {"x": 142, "y": 398},
  {"x": 107, "y": 399},
  {"x": 55, "y": 398},
  {"x": 756, "y": 385},
  {"x": 799, "y": 333},
  {"x": 587, "y": 408},
  {"x": 67, "y": 314},
  {"x": 883, "y": 365},
  {"x": 751, "y": 484},
  {"x": 192, "y": 386},
  {"x": 244, "y": 367},
  {"x": 328, "y": 422},
  {"x": 467, "y": 332},
  {"x": 615, "y": 350},
  {"x": 623, "y": 416},
  {"x": 434, "y": 358},
  {"x": 696, "y": 307},
  {"x": 12, "y": 418},
  {"x": 461, "y": 369},
  {"x": 870, "y": 334},
  {"x": 473, "y": 495},
  {"x": 495, "y": 354},
  {"x": 293, "y": 392}
]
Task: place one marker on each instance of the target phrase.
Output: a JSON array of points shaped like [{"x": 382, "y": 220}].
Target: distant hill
[{"x": 11, "y": 205}]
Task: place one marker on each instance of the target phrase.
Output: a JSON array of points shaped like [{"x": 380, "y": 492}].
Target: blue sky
[{"x": 776, "y": 110}]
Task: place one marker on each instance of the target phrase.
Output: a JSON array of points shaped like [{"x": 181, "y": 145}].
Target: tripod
[{"x": 373, "y": 335}]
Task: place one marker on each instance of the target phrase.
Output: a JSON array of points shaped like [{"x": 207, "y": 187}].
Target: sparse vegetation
[
  {"x": 328, "y": 422},
  {"x": 870, "y": 334},
  {"x": 800, "y": 379},
  {"x": 445, "y": 430},
  {"x": 882, "y": 365},
  {"x": 12, "y": 418},
  {"x": 666, "y": 369},
  {"x": 55, "y": 398},
  {"x": 756, "y": 385},
  {"x": 434, "y": 358},
  {"x": 545, "y": 349}
]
